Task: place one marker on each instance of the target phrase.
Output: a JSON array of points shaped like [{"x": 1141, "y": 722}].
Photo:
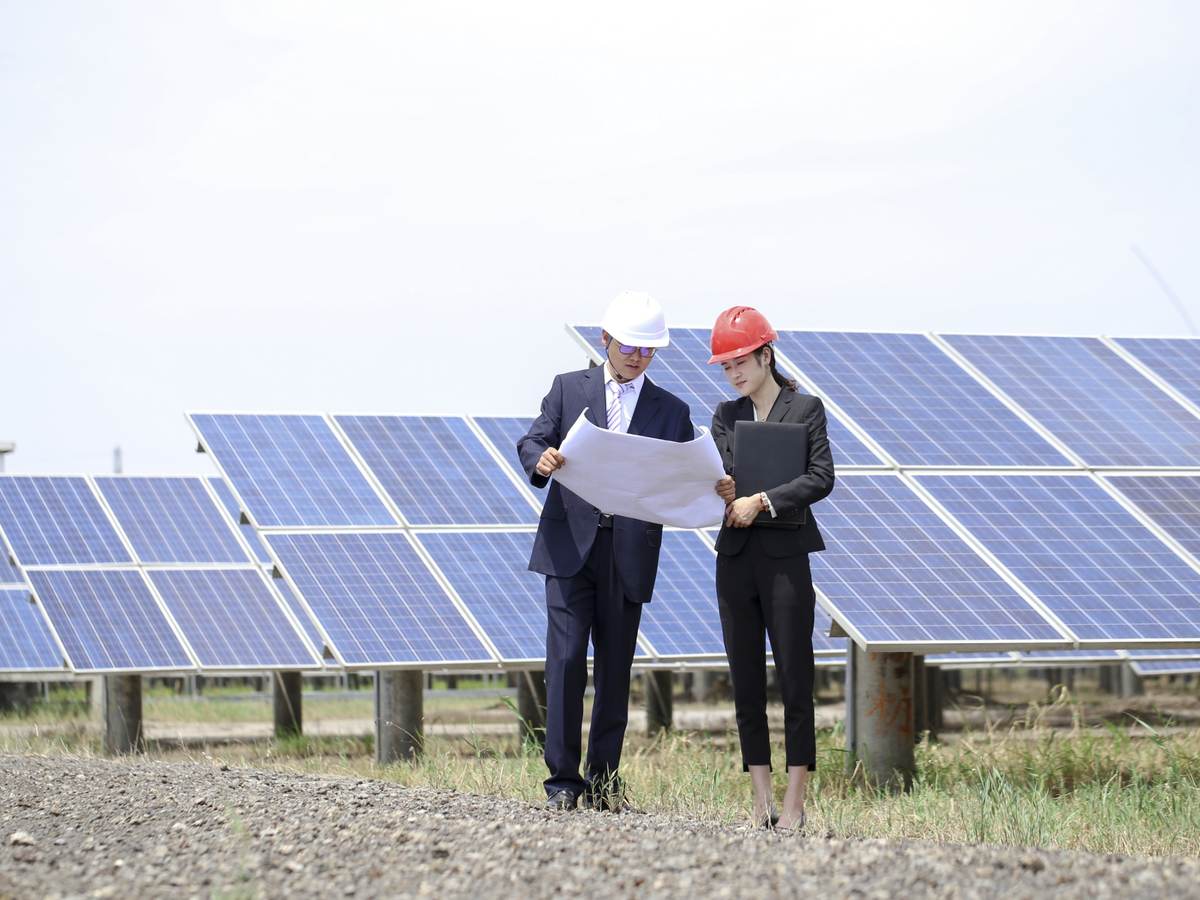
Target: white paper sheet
[{"x": 644, "y": 478}]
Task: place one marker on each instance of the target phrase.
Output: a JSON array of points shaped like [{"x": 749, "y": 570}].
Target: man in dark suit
[{"x": 599, "y": 568}]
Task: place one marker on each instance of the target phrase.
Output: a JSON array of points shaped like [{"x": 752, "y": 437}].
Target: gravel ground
[{"x": 103, "y": 828}]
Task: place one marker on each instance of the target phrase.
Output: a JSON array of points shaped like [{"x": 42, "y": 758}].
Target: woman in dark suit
[{"x": 764, "y": 586}]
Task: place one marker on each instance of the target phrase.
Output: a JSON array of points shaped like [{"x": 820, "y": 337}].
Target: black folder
[{"x": 765, "y": 455}]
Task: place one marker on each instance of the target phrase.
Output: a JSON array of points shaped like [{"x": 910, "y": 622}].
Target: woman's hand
[
  {"x": 550, "y": 462},
  {"x": 743, "y": 511},
  {"x": 726, "y": 489}
]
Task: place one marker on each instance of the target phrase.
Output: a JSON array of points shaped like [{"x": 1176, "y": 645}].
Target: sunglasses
[{"x": 629, "y": 350}]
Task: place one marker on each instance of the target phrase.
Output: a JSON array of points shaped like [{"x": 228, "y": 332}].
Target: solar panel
[
  {"x": 922, "y": 407},
  {"x": 225, "y": 495},
  {"x": 1175, "y": 360},
  {"x": 1088, "y": 559},
  {"x": 57, "y": 521},
  {"x": 376, "y": 599},
  {"x": 291, "y": 470},
  {"x": 437, "y": 471},
  {"x": 311, "y": 631},
  {"x": 683, "y": 369},
  {"x": 26, "y": 642},
  {"x": 108, "y": 620},
  {"x": 231, "y": 619},
  {"x": 1092, "y": 400},
  {"x": 504, "y": 432},
  {"x": 171, "y": 520},
  {"x": 682, "y": 619},
  {"x": 1068, "y": 657},
  {"x": 1164, "y": 653},
  {"x": 489, "y": 570},
  {"x": 1144, "y": 669},
  {"x": 970, "y": 660},
  {"x": 1171, "y": 502},
  {"x": 896, "y": 574}
]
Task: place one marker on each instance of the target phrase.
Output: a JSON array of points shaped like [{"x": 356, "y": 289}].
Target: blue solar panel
[
  {"x": 57, "y": 521},
  {"x": 967, "y": 660},
  {"x": 376, "y": 599},
  {"x": 682, "y": 619},
  {"x": 291, "y": 470},
  {"x": 1165, "y": 653},
  {"x": 108, "y": 620},
  {"x": 1092, "y": 400},
  {"x": 1084, "y": 555},
  {"x": 490, "y": 572},
  {"x": 1144, "y": 668},
  {"x": 1175, "y": 360},
  {"x": 302, "y": 616},
  {"x": 1172, "y": 502},
  {"x": 225, "y": 495},
  {"x": 897, "y": 574},
  {"x": 231, "y": 618},
  {"x": 683, "y": 370},
  {"x": 26, "y": 643},
  {"x": 504, "y": 432},
  {"x": 171, "y": 520},
  {"x": 437, "y": 471},
  {"x": 1066, "y": 657},
  {"x": 915, "y": 401}
]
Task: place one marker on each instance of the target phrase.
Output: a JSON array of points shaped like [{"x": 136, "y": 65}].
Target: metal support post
[
  {"x": 286, "y": 700},
  {"x": 531, "y": 706},
  {"x": 1130, "y": 683},
  {"x": 659, "y": 701}
]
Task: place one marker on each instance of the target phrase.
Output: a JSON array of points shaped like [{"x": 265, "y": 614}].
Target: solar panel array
[
  {"x": 405, "y": 537},
  {"x": 915, "y": 401},
  {"x": 188, "y": 595},
  {"x": 26, "y": 642}
]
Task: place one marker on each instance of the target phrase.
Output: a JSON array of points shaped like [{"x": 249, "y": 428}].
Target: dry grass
[{"x": 1130, "y": 788}]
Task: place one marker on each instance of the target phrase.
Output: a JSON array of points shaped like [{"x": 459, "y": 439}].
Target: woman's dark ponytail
[{"x": 780, "y": 378}]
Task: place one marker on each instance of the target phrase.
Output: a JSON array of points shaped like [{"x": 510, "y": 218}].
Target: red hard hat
[{"x": 739, "y": 330}]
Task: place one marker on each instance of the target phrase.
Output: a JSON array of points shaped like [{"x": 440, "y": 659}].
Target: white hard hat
[{"x": 635, "y": 318}]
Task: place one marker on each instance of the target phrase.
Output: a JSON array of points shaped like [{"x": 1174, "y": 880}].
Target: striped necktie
[{"x": 616, "y": 409}]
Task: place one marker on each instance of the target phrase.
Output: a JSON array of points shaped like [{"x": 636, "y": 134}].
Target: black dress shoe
[
  {"x": 607, "y": 801},
  {"x": 561, "y": 800}
]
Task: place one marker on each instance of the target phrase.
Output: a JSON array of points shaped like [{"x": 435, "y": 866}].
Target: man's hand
[
  {"x": 743, "y": 511},
  {"x": 550, "y": 462},
  {"x": 726, "y": 489}
]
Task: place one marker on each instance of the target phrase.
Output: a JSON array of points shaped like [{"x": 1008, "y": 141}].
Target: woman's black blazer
[{"x": 799, "y": 493}]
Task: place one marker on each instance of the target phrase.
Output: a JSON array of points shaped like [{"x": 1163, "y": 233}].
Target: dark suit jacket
[
  {"x": 800, "y": 493},
  {"x": 567, "y": 527}
]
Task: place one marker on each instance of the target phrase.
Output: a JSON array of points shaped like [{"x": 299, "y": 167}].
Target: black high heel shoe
[{"x": 769, "y": 820}]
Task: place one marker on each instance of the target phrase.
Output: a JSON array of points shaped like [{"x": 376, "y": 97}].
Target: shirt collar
[{"x": 637, "y": 382}]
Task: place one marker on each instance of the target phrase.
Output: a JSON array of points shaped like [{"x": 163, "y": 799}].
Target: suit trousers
[
  {"x": 590, "y": 604},
  {"x": 759, "y": 596}
]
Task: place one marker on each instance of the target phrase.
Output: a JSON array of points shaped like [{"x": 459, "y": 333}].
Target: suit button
[{"x": 595, "y": 511}]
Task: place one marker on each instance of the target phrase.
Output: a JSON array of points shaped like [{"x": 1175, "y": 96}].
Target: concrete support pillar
[
  {"x": 399, "y": 715},
  {"x": 287, "y": 703},
  {"x": 18, "y": 696},
  {"x": 702, "y": 685},
  {"x": 920, "y": 698},
  {"x": 884, "y": 729},
  {"x": 935, "y": 700},
  {"x": 531, "y": 706},
  {"x": 123, "y": 715},
  {"x": 1130, "y": 683},
  {"x": 660, "y": 701}
]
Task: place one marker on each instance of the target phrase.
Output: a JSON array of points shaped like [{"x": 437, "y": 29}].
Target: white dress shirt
[{"x": 628, "y": 399}]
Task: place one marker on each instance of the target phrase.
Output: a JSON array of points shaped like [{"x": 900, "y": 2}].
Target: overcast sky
[{"x": 396, "y": 206}]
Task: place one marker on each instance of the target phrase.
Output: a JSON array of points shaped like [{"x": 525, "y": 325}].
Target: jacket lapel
[
  {"x": 781, "y": 406},
  {"x": 648, "y": 398},
  {"x": 593, "y": 395}
]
